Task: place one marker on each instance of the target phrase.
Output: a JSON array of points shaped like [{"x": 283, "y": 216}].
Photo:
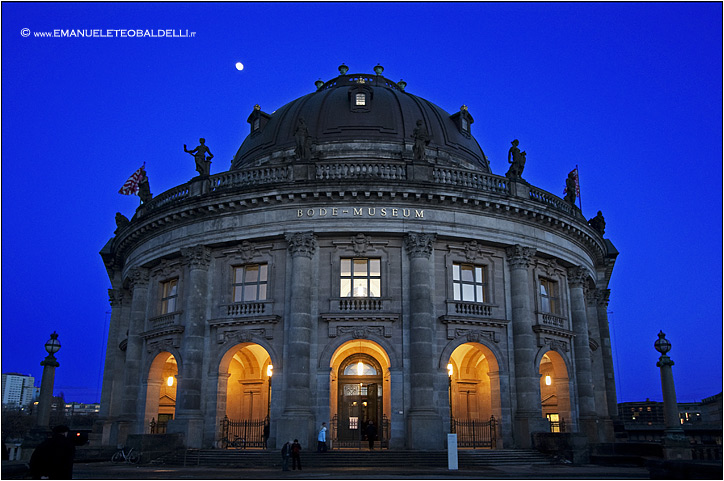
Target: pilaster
[{"x": 132, "y": 375}]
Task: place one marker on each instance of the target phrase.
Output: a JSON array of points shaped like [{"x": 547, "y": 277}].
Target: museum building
[{"x": 359, "y": 264}]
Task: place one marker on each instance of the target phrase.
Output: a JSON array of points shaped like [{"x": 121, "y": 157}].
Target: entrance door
[{"x": 359, "y": 401}]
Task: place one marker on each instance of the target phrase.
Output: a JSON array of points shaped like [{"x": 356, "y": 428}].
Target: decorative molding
[
  {"x": 552, "y": 331},
  {"x": 197, "y": 257},
  {"x": 454, "y": 330},
  {"x": 360, "y": 325},
  {"x": 242, "y": 335},
  {"x": 475, "y": 335},
  {"x": 302, "y": 244},
  {"x": 577, "y": 276},
  {"x": 519, "y": 256},
  {"x": 138, "y": 277},
  {"x": 473, "y": 251},
  {"x": 550, "y": 267},
  {"x": 360, "y": 244},
  {"x": 166, "y": 269},
  {"x": 267, "y": 321},
  {"x": 115, "y": 297},
  {"x": 419, "y": 244},
  {"x": 361, "y": 332},
  {"x": 171, "y": 338},
  {"x": 602, "y": 296}
]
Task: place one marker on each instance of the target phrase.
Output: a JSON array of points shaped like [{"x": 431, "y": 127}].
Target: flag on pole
[{"x": 131, "y": 185}]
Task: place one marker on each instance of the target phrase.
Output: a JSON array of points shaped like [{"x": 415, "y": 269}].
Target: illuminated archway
[
  {"x": 555, "y": 390},
  {"x": 249, "y": 370},
  {"x": 161, "y": 392},
  {"x": 474, "y": 383}
]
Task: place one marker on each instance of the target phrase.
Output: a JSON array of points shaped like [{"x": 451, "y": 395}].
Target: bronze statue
[
  {"x": 121, "y": 222},
  {"x": 144, "y": 190},
  {"x": 304, "y": 142},
  {"x": 571, "y": 188},
  {"x": 203, "y": 163},
  {"x": 422, "y": 138},
  {"x": 598, "y": 223},
  {"x": 516, "y": 159}
]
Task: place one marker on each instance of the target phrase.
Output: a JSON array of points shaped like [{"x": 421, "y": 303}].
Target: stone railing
[
  {"x": 471, "y": 179},
  {"x": 245, "y": 309},
  {"x": 164, "y": 320},
  {"x": 539, "y": 195},
  {"x": 353, "y": 304},
  {"x": 171, "y": 195},
  {"x": 259, "y": 176},
  {"x": 472, "y": 309},
  {"x": 343, "y": 171},
  {"x": 553, "y": 321}
]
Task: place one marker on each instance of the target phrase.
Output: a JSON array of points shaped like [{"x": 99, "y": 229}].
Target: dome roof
[{"x": 363, "y": 114}]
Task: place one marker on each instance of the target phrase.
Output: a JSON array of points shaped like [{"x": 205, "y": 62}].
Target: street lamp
[
  {"x": 48, "y": 380},
  {"x": 676, "y": 445},
  {"x": 449, "y": 390},
  {"x": 269, "y": 372}
]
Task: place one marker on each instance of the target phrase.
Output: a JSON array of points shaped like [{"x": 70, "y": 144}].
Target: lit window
[
  {"x": 549, "y": 296},
  {"x": 360, "y": 99},
  {"x": 360, "y": 368},
  {"x": 464, "y": 124},
  {"x": 469, "y": 283},
  {"x": 250, "y": 283},
  {"x": 169, "y": 293},
  {"x": 360, "y": 278}
]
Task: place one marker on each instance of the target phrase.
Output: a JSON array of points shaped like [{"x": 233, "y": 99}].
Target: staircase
[{"x": 252, "y": 459}]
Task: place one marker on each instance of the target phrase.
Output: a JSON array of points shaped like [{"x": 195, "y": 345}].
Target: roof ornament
[
  {"x": 257, "y": 107},
  {"x": 517, "y": 160},
  {"x": 379, "y": 69},
  {"x": 342, "y": 69},
  {"x": 319, "y": 83},
  {"x": 464, "y": 108},
  {"x": 402, "y": 84},
  {"x": 203, "y": 163},
  {"x": 422, "y": 138}
]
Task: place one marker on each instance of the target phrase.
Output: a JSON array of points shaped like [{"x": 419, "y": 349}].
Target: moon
[{"x": 239, "y": 66}]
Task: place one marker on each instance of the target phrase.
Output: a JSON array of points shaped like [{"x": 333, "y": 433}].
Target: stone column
[
  {"x": 297, "y": 421},
  {"x": 584, "y": 384},
  {"x": 112, "y": 392},
  {"x": 424, "y": 424},
  {"x": 605, "y": 425},
  {"x": 606, "y": 353},
  {"x": 528, "y": 415},
  {"x": 189, "y": 417},
  {"x": 130, "y": 424},
  {"x": 676, "y": 444}
]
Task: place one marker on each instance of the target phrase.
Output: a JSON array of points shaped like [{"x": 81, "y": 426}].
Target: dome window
[
  {"x": 360, "y": 98},
  {"x": 462, "y": 120},
  {"x": 257, "y": 119}
]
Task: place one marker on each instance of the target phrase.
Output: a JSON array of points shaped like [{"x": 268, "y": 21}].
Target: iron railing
[
  {"x": 244, "y": 433},
  {"x": 474, "y": 433}
]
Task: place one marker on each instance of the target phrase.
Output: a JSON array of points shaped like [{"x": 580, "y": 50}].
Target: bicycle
[
  {"x": 237, "y": 442},
  {"x": 129, "y": 456}
]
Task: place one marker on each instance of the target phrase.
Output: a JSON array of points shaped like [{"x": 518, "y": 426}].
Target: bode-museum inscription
[{"x": 362, "y": 212}]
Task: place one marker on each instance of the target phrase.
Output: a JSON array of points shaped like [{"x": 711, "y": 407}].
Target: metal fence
[
  {"x": 244, "y": 433},
  {"x": 474, "y": 433},
  {"x": 383, "y": 436}
]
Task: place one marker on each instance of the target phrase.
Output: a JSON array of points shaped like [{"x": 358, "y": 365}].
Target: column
[
  {"x": 297, "y": 420},
  {"x": 189, "y": 417},
  {"x": 605, "y": 425},
  {"x": 528, "y": 415},
  {"x": 112, "y": 391},
  {"x": 675, "y": 442},
  {"x": 602, "y": 296},
  {"x": 584, "y": 384},
  {"x": 424, "y": 424},
  {"x": 134, "y": 351}
]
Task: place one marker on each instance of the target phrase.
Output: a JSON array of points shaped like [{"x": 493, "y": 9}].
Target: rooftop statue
[
  {"x": 144, "y": 190},
  {"x": 422, "y": 138},
  {"x": 598, "y": 223},
  {"x": 517, "y": 160},
  {"x": 121, "y": 222},
  {"x": 203, "y": 163},
  {"x": 304, "y": 142},
  {"x": 571, "y": 188}
]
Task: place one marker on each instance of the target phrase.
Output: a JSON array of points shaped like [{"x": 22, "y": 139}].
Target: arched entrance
[
  {"x": 474, "y": 396},
  {"x": 555, "y": 391},
  {"x": 359, "y": 395},
  {"x": 246, "y": 420},
  {"x": 161, "y": 393}
]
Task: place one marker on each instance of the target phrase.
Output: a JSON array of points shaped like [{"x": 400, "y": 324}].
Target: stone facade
[{"x": 337, "y": 287}]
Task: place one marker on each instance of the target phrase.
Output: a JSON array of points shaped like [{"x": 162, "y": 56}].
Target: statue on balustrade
[
  {"x": 516, "y": 159},
  {"x": 422, "y": 138},
  {"x": 598, "y": 223},
  {"x": 203, "y": 163},
  {"x": 121, "y": 222},
  {"x": 571, "y": 188},
  {"x": 144, "y": 189},
  {"x": 304, "y": 142}
]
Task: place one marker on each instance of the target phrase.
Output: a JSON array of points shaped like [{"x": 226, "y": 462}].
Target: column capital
[
  {"x": 115, "y": 297},
  {"x": 577, "y": 276},
  {"x": 198, "y": 257},
  {"x": 519, "y": 256},
  {"x": 138, "y": 277},
  {"x": 302, "y": 244},
  {"x": 419, "y": 244},
  {"x": 602, "y": 296}
]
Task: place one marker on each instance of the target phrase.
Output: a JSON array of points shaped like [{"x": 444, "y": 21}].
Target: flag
[
  {"x": 578, "y": 188},
  {"x": 131, "y": 185}
]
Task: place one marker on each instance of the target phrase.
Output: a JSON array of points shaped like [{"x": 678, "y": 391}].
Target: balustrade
[
  {"x": 164, "y": 320},
  {"x": 342, "y": 171},
  {"x": 360, "y": 304},
  {"x": 473, "y": 309},
  {"x": 473, "y": 180},
  {"x": 550, "y": 320},
  {"x": 245, "y": 309}
]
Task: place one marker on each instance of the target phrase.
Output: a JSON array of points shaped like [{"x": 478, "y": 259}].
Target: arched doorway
[
  {"x": 359, "y": 385},
  {"x": 555, "y": 391},
  {"x": 474, "y": 396},
  {"x": 246, "y": 414},
  {"x": 161, "y": 393}
]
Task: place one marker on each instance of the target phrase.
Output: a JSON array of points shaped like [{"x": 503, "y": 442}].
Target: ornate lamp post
[
  {"x": 269, "y": 372},
  {"x": 450, "y": 392},
  {"x": 676, "y": 444},
  {"x": 48, "y": 380}
]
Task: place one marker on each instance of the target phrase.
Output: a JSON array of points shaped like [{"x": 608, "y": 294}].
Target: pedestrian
[
  {"x": 53, "y": 458},
  {"x": 296, "y": 459},
  {"x": 265, "y": 434},
  {"x": 371, "y": 432},
  {"x": 322, "y": 439},
  {"x": 286, "y": 453}
]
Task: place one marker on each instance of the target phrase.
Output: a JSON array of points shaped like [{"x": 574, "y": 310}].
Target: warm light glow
[
  {"x": 548, "y": 381},
  {"x": 269, "y": 370},
  {"x": 169, "y": 381},
  {"x": 360, "y": 368},
  {"x": 449, "y": 370}
]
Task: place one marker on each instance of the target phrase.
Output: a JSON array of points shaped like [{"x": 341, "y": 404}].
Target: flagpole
[{"x": 578, "y": 175}]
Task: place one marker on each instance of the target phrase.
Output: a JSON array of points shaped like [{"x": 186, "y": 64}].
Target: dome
[{"x": 360, "y": 117}]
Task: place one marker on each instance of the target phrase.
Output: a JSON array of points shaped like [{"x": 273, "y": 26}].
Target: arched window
[{"x": 360, "y": 368}]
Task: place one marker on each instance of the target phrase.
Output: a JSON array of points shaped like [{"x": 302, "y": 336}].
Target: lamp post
[
  {"x": 48, "y": 380},
  {"x": 269, "y": 372},
  {"x": 676, "y": 445},
  {"x": 450, "y": 393}
]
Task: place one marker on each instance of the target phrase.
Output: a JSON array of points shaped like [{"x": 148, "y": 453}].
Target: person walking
[
  {"x": 296, "y": 458},
  {"x": 371, "y": 431},
  {"x": 322, "y": 439},
  {"x": 286, "y": 454}
]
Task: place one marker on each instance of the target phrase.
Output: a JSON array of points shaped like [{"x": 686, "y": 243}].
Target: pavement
[{"x": 107, "y": 470}]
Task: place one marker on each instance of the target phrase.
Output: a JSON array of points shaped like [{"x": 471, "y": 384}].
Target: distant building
[
  {"x": 81, "y": 409},
  {"x": 17, "y": 389}
]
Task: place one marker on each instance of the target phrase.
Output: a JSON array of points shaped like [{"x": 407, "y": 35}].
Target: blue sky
[{"x": 629, "y": 92}]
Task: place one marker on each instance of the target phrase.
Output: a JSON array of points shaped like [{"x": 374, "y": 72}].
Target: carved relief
[
  {"x": 472, "y": 251},
  {"x": 476, "y": 335},
  {"x": 163, "y": 344},
  {"x": 242, "y": 335},
  {"x": 115, "y": 297},
  {"x": 302, "y": 244},
  {"x": 361, "y": 332},
  {"x": 577, "y": 276},
  {"x": 360, "y": 244},
  {"x": 519, "y": 256},
  {"x": 138, "y": 277},
  {"x": 419, "y": 244},
  {"x": 198, "y": 257},
  {"x": 602, "y": 296},
  {"x": 165, "y": 269}
]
